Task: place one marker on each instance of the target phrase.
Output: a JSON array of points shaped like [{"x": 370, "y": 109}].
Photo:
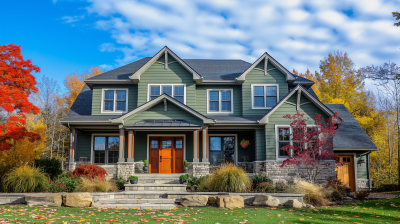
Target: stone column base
[
  {"x": 125, "y": 169},
  {"x": 71, "y": 166},
  {"x": 364, "y": 184},
  {"x": 199, "y": 169}
]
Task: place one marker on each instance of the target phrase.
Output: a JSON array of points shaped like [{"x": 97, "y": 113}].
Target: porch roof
[{"x": 162, "y": 123}]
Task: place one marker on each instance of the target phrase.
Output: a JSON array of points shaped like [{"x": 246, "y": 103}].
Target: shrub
[
  {"x": 205, "y": 182},
  {"x": 120, "y": 182},
  {"x": 314, "y": 194},
  {"x": 90, "y": 171},
  {"x": 95, "y": 185},
  {"x": 229, "y": 178},
  {"x": 50, "y": 166},
  {"x": 258, "y": 179},
  {"x": 145, "y": 162},
  {"x": 337, "y": 185},
  {"x": 26, "y": 179},
  {"x": 281, "y": 187},
  {"x": 66, "y": 182},
  {"x": 184, "y": 177},
  {"x": 267, "y": 186},
  {"x": 194, "y": 183},
  {"x": 185, "y": 163},
  {"x": 361, "y": 195},
  {"x": 133, "y": 178}
]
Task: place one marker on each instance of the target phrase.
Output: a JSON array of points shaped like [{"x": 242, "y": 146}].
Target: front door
[
  {"x": 345, "y": 173},
  {"x": 166, "y": 154}
]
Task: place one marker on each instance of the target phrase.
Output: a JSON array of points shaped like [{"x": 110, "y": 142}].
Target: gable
[{"x": 157, "y": 113}]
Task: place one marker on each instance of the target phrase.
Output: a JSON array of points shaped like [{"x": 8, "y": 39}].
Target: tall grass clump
[
  {"x": 229, "y": 178},
  {"x": 314, "y": 194},
  {"x": 95, "y": 185},
  {"x": 25, "y": 179}
]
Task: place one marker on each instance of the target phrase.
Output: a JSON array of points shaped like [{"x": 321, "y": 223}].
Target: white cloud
[
  {"x": 297, "y": 33},
  {"x": 72, "y": 19}
]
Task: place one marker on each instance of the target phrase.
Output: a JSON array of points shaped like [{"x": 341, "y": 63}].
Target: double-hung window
[
  {"x": 106, "y": 149},
  {"x": 219, "y": 101},
  {"x": 264, "y": 96},
  {"x": 177, "y": 91},
  {"x": 114, "y": 101}
]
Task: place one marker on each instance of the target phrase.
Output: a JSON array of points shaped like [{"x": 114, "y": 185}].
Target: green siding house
[{"x": 165, "y": 110}]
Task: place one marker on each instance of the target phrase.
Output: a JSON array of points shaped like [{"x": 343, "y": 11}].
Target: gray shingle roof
[
  {"x": 82, "y": 104},
  {"x": 122, "y": 73},
  {"x": 212, "y": 69},
  {"x": 162, "y": 123},
  {"x": 350, "y": 134}
]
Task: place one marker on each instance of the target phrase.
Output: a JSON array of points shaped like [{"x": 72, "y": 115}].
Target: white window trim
[
  {"x": 278, "y": 158},
  {"x": 115, "y": 101},
  {"x": 265, "y": 95},
  {"x": 220, "y": 101},
  {"x": 167, "y": 84}
]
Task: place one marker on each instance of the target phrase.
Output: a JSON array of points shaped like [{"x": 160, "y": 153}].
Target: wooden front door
[
  {"x": 166, "y": 155},
  {"x": 346, "y": 172}
]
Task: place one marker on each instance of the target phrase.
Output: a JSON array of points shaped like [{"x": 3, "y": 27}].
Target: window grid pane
[
  {"x": 214, "y": 95},
  {"x": 214, "y": 106},
  {"x": 109, "y": 105},
  {"x": 154, "y": 91},
  {"x": 154, "y": 144},
  {"x": 258, "y": 91},
  {"x": 226, "y": 106},
  {"x": 259, "y": 101},
  {"x": 167, "y": 90},
  {"x": 166, "y": 144},
  {"x": 178, "y": 143}
]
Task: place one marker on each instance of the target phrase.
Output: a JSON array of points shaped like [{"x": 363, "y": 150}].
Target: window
[
  {"x": 114, "y": 101},
  {"x": 264, "y": 96},
  {"x": 106, "y": 149},
  {"x": 222, "y": 149},
  {"x": 284, "y": 137},
  {"x": 219, "y": 101},
  {"x": 177, "y": 91}
]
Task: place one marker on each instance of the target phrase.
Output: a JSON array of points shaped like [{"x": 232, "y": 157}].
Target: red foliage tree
[
  {"x": 312, "y": 147},
  {"x": 90, "y": 171},
  {"x": 16, "y": 84}
]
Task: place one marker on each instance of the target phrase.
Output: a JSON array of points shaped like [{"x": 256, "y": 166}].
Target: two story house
[{"x": 165, "y": 110}]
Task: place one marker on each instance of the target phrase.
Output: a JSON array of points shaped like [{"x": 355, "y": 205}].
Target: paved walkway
[{"x": 383, "y": 196}]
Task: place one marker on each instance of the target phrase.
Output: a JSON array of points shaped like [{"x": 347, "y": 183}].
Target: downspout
[{"x": 369, "y": 173}]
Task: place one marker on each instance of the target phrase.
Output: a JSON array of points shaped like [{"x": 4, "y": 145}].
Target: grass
[{"x": 376, "y": 211}]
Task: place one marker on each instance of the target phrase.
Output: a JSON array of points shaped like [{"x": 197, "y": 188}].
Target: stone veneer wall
[
  {"x": 287, "y": 174},
  {"x": 364, "y": 184},
  {"x": 139, "y": 167},
  {"x": 125, "y": 170},
  {"x": 198, "y": 169}
]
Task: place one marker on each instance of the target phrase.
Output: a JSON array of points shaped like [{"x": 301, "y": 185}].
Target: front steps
[
  {"x": 158, "y": 204},
  {"x": 155, "y": 187}
]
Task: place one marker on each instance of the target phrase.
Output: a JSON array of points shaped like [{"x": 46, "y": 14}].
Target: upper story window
[
  {"x": 114, "y": 101},
  {"x": 177, "y": 91},
  {"x": 264, "y": 96},
  {"x": 219, "y": 101}
]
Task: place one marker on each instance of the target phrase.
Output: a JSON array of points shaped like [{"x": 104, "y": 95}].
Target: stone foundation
[
  {"x": 71, "y": 166},
  {"x": 139, "y": 167},
  {"x": 125, "y": 170},
  {"x": 247, "y": 166},
  {"x": 364, "y": 184},
  {"x": 198, "y": 169},
  {"x": 286, "y": 174}
]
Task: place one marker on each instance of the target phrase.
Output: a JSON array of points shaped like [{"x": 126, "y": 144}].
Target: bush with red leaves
[{"x": 90, "y": 171}]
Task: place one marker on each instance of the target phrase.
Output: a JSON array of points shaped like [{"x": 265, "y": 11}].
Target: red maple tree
[
  {"x": 16, "y": 84},
  {"x": 312, "y": 145}
]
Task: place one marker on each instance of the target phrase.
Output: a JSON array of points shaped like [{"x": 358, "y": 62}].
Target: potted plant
[
  {"x": 133, "y": 179},
  {"x": 244, "y": 143},
  {"x": 183, "y": 178},
  {"x": 145, "y": 167},
  {"x": 185, "y": 166}
]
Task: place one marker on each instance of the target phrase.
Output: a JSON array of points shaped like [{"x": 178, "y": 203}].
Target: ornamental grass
[
  {"x": 25, "y": 179},
  {"x": 95, "y": 185},
  {"x": 314, "y": 194},
  {"x": 229, "y": 178}
]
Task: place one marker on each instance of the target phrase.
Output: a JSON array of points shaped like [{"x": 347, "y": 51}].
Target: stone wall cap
[{"x": 126, "y": 162}]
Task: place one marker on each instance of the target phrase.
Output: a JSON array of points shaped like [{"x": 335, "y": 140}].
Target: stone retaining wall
[{"x": 364, "y": 184}]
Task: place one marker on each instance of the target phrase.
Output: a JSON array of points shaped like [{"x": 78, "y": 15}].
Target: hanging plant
[{"x": 244, "y": 143}]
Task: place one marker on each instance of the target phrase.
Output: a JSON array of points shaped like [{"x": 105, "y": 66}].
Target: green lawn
[{"x": 377, "y": 211}]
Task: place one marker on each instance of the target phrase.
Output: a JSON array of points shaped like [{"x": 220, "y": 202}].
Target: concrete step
[
  {"x": 136, "y": 201},
  {"x": 139, "y": 206},
  {"x": 158, "y": 180},
  {"x": 158, "y": 175},
  {"x": 155, "y": 187}
]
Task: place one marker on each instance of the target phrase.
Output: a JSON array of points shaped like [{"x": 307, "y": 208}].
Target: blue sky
[{"x": 65, "y": 36}]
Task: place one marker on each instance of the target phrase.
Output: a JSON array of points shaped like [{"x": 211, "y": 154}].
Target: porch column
[
  {"x": 71, "y": 163},
  {"x": 205, "y": 145},
  {"x": 131, "y": 146},
  {"x": 196, "y": 146},
  {"x": 121, "y": 145}
]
